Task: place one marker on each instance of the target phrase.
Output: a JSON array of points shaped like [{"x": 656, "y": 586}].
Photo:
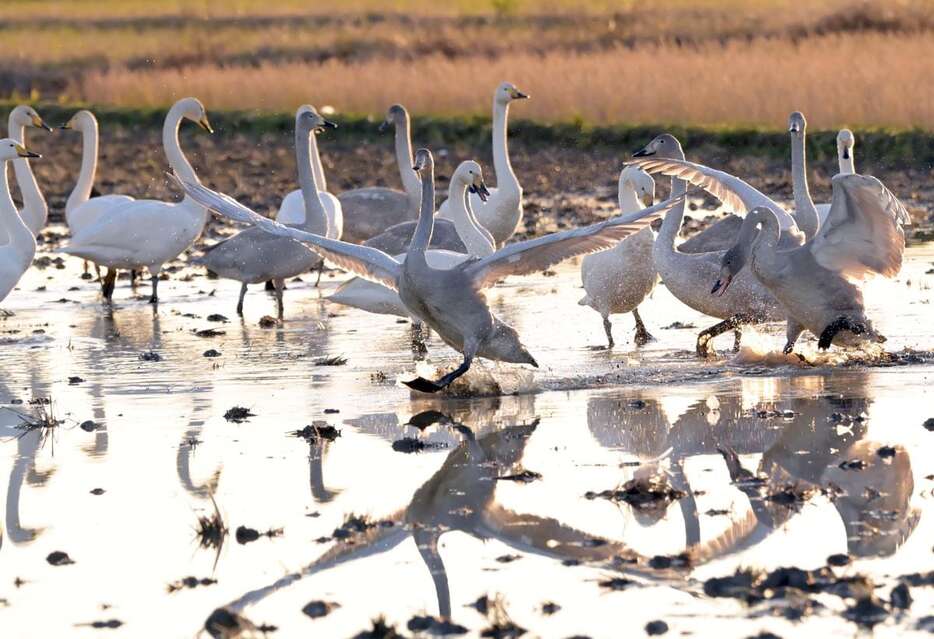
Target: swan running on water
[{"x": 451, "y": 300}]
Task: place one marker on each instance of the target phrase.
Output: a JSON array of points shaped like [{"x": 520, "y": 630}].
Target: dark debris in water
[
  {"x": 216, "y": 317},
  {"x": 524, "y": 477},
  {"x": 655, "y": 628},
  {"x": 268, "y": 321},
  {"x": 318, "y": 608},
  {"x": 426, "y": 624},
  {"x": 317, "y": 431},
  {"x": 150, "y": 356},
  {"x": 838, "y": 560},
  {"x": 616, "y": 583},
  {"x": 112, "y": 624},
  {"x": 791, "y": 496},
  {"x": 245, "y": 534},
  {"x": 238, "y": 414},
  {"x": 59, "y": 558},
  {"x": 642, "y": 493},
  {"x": 190, "y": 582},
  {"x": 88, "y": 426},
  {"x": 929, "y": 423},
  {"x": 210, "y": 332},
  {"x": 226, "y": 624},
  {"x": 211, "y": 353},
  {"x": 415, "y": 445},
  {"x": 334, "y": 360},
  {"x": 549, "y": 608},
  {"x": 867, "y": 612},
  {"x": 380, "y": 629},
  {"x": 355, "y": 525}
]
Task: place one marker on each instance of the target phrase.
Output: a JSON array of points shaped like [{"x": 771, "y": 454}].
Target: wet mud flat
[{"x": 247, "y": 479}]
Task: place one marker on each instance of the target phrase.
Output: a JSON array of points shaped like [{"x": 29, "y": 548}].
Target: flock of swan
[{"x": 762, "y": 264}]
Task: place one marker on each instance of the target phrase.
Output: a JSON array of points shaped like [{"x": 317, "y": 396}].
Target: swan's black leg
[
  {"x": 108, "y": 284},
  {"x": 155, "y": 289},
  {"x": 737, "y": 338},
  {"x": 643, "y": 337},
  {"x": 608, "y": 329},
  {"x": 729, "y": 324},
  {"x": 428, "y": 386},
  {"x": 240, "y": 301},
  {"x": 840, "y": 324},
  {"x": 280, "y": 305},
  {"x": 270, "y": 286}
]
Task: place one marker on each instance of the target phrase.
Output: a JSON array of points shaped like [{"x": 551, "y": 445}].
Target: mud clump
[
  {"x": 655, "y": 628},
  {"x": 245, "y": 534},
  {"x": 317, "y": 609},
  {"x": 216, "y": 317},
  {"x": 838, "y": 560},
  {"x": 238, "y": 414},
  {"x": 380, "y": 629},
  {"x": 267, "y": 321},
  {"x": 59, "y": 558},
  {"x": 616, "y": 583},
  {"x": 88, "y": 426},
  {"x": 190, "y": 583},
  {"x": 524, "y": 477},
  {"x": 435, "y": 627},
  {"x": 150, "y": 356},
  {"x": 209, "y": 332},
  {"x": 929, "y": 424},
  {"x": 413, "y": 445},
  {"x": 210, "y": 353},
  {"x": 355, "y": 525},
  {"x": 334, "y": 360},
  {"x": 317, "y": 431},
  {"x": 650, "y": 493},
  {"x": 226, "y": 624}
]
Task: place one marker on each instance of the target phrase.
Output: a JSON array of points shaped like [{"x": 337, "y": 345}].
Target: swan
[
  {"x": 252, "y": 256},
  {"x": 815, "y": 283},
  {"x": 846, "y": 161},
  {"x": 147, "y": 232},
  {"x": 502, "y": 212},
  {"x": 80, "y": 208},
  {"x": 376, "y": 298},
  {"x": 618, "y": 279},
  {"x": 686, "y": 274},
  {"x": 292, "y": 210},
  {"x": 35, "y": 211},
  {"x": 450, "y": 301},
  {"x": 371, "y": 210},
  {"x": 17, "y": 243}
]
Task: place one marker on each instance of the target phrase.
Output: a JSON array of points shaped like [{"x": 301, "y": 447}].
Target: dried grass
[{"x": 870, "y": 79}]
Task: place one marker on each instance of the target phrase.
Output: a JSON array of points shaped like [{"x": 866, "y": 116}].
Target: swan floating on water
[{"x": 450, "y": 301}]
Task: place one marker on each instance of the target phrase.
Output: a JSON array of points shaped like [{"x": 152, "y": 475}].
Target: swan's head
[
  {"x": 395, "y": 116},
  {"x": 25, "y": 115},
  {"x": 308, "y": 119},
  {"x": 470, "y": 174},
  {"x": 797, "y": 124},
  {"x": 505, "y": 344},
  {"x": 80, "y": 121},
  {"x": 845, "y": 143},
  {"x": 507, "y": 92},
  {"x": 663, "y": 146},
  {"x": 11, "y": 150},
  {"x": 634, "y": 179},
  {"x": 423, "y": 160},
  {"x": 192, "y": 109},
  {"x": 734, "y": 260}
]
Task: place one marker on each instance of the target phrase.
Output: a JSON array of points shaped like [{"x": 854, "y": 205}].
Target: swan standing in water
[
  {"x": 863, "y": 236},
  {"x": 252, "y": 256},
  {"x": 376, "y": 298},
  {"x": 797, "y": 127},
  {"x": 147, "y": 232},
  {"x": 617, "y": 280},
  {"x": 686, "y": 274},
  {"x": 371, "y": 210},
  {"x": 450, "y": 301},
  {"x": 35, "y": 211},
  {"x": 502, "y": 212},
  {"x": 17, "y": 243},
  {"x": 293, "y": 209}
]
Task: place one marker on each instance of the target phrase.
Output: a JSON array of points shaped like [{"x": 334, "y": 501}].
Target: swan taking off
[
  {"x": 815, "y": 283},
  {"x": 17, "y": 243},
  {"x": 451, "y": 300}
]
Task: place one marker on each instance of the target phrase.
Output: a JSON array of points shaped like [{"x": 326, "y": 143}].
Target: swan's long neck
[
  {"x": 316, "y": 220},
  {"x": 422, "y": 236},
  {"x": 628, "y": 198},
  {"x": 505, "y": 177},
  {"x": 671, "y": 225},
  {"x": 765, "y": 244},
  {"x": 847, "y": 164},
  {"x": 13, "y": 231},
  {"x": 35, "y": 210},
  {"x": 806, "y": 215},
  {"x": 403, "y": 144},
  {"x": 316, "y": 166},
  {"x": 82, "y": 191},
  {"x": 173, "y": 150},
  {"x": 477, "y": 239}
]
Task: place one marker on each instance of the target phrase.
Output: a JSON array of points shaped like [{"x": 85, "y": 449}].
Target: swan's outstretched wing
[
  {"x": 532, "y": 256},
  {"x": 366, "y": 262},
  {"x": 863, "y": 231},
  {"x": 736, "y": 194}
]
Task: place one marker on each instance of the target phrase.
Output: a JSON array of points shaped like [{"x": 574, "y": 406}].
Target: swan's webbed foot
[
  {"x": 730, "y": 324},
  {"x": 643, "y": 336},
  {"x": 427, "y": 386},
  {"x": 789, "y": 347},
  {"x": 840, "y": 324}
]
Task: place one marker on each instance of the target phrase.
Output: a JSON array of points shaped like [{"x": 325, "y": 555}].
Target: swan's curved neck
[
  {"x": 82, "y": 191},
  {"x": 764, "y": 244},
  {"x": 505, "y": 177},
  {"x": 316, "y": 220},
  {"x": 848, "y": 163},
  {"x": 805, "y": 213},
  {"x": 628, "y": 199},
  {"x": 13, "y": 231},
  {"x": 403, "y": 144},
  {"x": 477, "y": 239},
  {"x": 422, "y": 236},
  {"x": 173, "y": 150},
  {"x": 35, "y": 210},
  {"x": 671, "y": 225},
  {"x": 316, "y": 166}
]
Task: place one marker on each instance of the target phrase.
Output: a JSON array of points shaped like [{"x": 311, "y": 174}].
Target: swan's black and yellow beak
[
  {"x": 721, "y": 285},
  {"x": 384, "y": 125},
  {"x": 643, "y": 153},
  {"x": 519, "y": 95},
  {"x": 23, "y": 153},
  {"x": 64, "y": 127},
  {"x": 205, "y": 124},
  {"x": 330, "y": 125},
  {"x": 40, "y": 124},
  {"x": 846, "y": 153},
  {"x": 480, "y": 189}
]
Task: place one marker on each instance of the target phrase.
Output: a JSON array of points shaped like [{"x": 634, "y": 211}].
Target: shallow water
[{"x": 588, "y": 420}]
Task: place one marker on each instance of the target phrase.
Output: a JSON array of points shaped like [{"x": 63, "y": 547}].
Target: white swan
[
  {"x": 846, "y": 161},
  {"x": 252, "y": 256},
  {"x": 148, "y": 232},
  {"x": 376, "y": 298},
  {"x": 502, "y": 212},
  {"x": 371, "y": 210},
  {"x": 450, "y": 301},
  {"x": 815, "y": 282},
  {"x": 80, "y": 208},
  {"x": 619, "y": 279},
  {"x": 292, "y": 209},
  {"x": 685, "y": 275},
  {"x": 35, "y": 211},
  {"x": 17, "y": 243}
]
